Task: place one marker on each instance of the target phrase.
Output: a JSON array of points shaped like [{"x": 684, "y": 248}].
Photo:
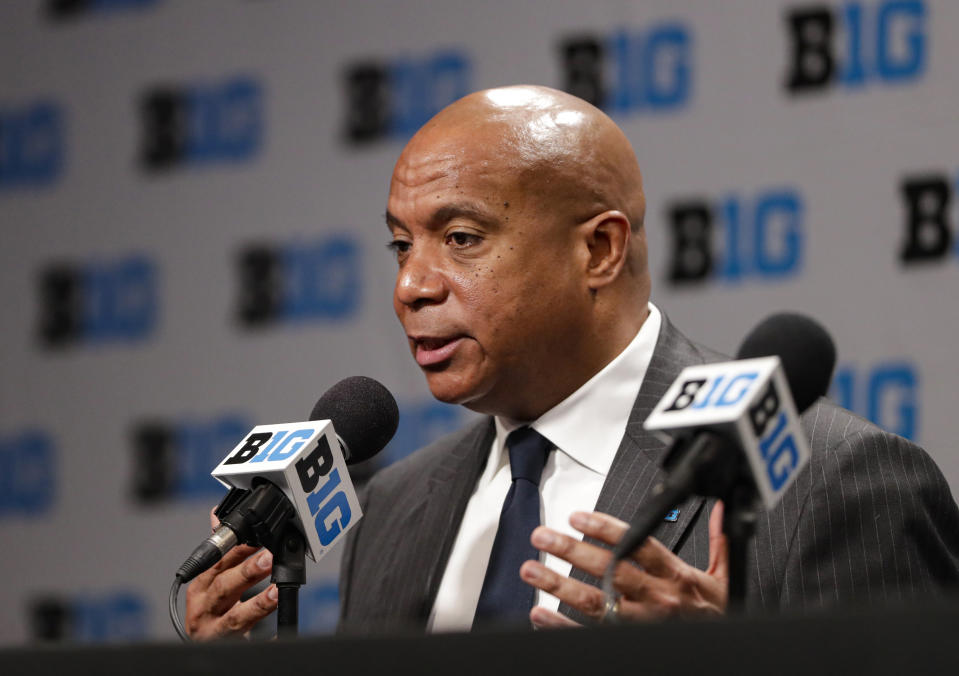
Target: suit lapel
[
  {"x": 436, "y": 519},
  {"x": 636, "y": 467}
]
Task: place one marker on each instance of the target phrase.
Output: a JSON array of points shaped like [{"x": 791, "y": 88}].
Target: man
[{"x": 517, "y": 221}]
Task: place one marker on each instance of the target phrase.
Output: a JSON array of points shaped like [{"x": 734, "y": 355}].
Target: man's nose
[{"x": 420, "y": 280}]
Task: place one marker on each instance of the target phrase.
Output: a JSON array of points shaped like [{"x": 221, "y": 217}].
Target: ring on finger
[{"x": 611, "y": 610}]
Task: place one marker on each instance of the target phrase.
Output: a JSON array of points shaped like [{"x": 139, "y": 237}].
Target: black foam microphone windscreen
[
  {"x": 802, "y": 344},
  {"x": 364, "y": 415}
]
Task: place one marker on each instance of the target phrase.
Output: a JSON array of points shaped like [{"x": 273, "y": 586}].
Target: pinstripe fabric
[{"x": 870, "y": 519}]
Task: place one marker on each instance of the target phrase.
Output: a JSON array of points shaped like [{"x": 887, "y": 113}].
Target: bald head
[{"x": 558, "y": 146}]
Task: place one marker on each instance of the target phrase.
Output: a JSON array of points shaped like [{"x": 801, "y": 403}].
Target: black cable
[{"x": 175, "y": 613}]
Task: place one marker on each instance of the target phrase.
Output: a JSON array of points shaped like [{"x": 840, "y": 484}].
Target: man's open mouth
[{"x": 433, "y": 350}]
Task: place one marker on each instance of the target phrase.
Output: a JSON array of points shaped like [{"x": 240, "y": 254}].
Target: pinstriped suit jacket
[{"x": 870, "y": 518}]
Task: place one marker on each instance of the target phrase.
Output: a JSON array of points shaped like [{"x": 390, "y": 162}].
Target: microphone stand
[
  {"x": 289, "y": 574},
  {"x": 267, "y": 522},
  {"x": 739, "y": 526}
]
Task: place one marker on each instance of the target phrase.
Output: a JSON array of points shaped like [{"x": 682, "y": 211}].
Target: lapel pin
[{"x": 673, "y": 516}]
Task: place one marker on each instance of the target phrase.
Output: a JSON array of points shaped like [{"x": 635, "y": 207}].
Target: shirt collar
[{"x": 589, "y": 424}]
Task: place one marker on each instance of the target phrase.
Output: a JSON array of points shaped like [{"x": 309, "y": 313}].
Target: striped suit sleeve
[{"x": 876, "y": 525}]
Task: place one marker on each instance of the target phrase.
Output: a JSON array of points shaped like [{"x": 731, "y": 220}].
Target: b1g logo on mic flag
[
  {"x": 747, "y": 401},
  {"x": 304, "y": 460}
]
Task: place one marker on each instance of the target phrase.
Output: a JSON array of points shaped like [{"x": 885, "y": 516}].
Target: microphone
[
  {"x": 365, "y": 415},
  {"x": 740, "y": 417},
  {"x": 296, "y": 473}
]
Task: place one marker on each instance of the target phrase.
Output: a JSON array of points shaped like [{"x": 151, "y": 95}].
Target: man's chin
[{"x": 450, "y": 390}]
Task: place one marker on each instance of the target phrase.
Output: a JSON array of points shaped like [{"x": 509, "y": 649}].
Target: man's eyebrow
[
  {"x": 469, "y": 210},
  {"x": 447, "y": 213},
  {"x": 393, "y": 222}
]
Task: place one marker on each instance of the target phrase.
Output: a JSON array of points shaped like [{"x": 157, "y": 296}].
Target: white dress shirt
[{"x": 586, "y": 429}]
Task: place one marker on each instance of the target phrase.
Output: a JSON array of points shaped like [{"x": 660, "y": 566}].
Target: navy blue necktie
[{"x": 505, "y": 598}]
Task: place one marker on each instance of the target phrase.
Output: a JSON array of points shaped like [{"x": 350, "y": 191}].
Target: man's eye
[
  {"x": 399, "y": 246},
  {"x": 463, "y": 239}
]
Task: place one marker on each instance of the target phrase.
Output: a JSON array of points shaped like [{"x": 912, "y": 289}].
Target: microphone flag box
[
  {"x": 748, "y": 401},
  {"x": 305, "y": 461}
]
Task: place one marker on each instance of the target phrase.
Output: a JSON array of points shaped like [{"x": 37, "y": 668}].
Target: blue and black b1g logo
[
  {"x": 69, "y": 9},
  {"x": 297, "y": 282},
  {"x": 777, "y": 444},
  {"x": 767, "y": 417},
  {"x": 319, "y": 479},
  {"x": 121, "y": 615},
  {"x": 930, "y": 231},
  {"x": 101, "y": 302},
  {"x": 392, "y": 99},
  {"x": 172, "y": 458},
  {"x": 32, "y": 142},
  {"x": 631, "y": 71},
  {"x": 856, "y": 44},
  {"x": 201, "y": 124},
  {"x": 28, "y": 473},
  {"x": 734, "y": 239}
]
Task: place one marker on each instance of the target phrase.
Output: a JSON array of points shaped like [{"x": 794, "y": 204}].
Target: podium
[{"x": 904, "y": 641}]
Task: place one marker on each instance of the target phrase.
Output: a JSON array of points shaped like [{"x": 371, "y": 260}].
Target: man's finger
[
  {"x": 230, "y": 559},
  {"x": 718, "y": 545},
  {"x": 229, "y": 585},
  {"x": 550, "y": 619},
  {"x": 241, "y": 618},
  {"x": 582, "y": 555},
  {"x": 585, "y": 598},
  {"x": 655, "y": 558},
  {"x": 602, "y": 527}
]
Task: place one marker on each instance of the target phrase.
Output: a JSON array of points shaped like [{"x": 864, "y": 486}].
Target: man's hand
[
  {"x": 213, "y": 606},
  {"x": 660, "y": 585}
]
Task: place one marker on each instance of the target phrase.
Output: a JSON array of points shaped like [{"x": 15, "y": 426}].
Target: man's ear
[{"x": 607, "y": 239}]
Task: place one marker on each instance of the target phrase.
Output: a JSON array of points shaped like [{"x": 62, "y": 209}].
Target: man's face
[{"x": 489, "y": 288}]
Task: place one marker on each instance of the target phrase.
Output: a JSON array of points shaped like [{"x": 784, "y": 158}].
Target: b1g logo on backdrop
[
  {"x": 172, "y": 459},
  {"x": 320, "y": 280},
  {"x": 630, "y": 70},
  {"x": 199, "y": 124},
  {"x": 89, "y": 618},
  {"x": 856, "y": 45},
  {"x": 32, "y": 141},
  {"x": 28, "y": 473},
  {"x": 392, "y": 99},
  {"x": 68, "y": 9},
  {"x": 101, "y": 302},
  {"x": 734, "y": 239},
  {"x": 930, "y": 231},
  {"x": 887, "y": 393}
]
